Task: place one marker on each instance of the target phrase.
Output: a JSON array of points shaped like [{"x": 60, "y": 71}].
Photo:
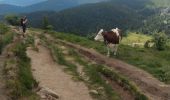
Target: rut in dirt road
[
  {"x": 149, "y": 85},
  {"x": 50, "y": 75},
  {"x": 123, "y": 93}
]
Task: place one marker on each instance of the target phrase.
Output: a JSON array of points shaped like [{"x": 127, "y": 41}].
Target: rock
[
  {"x": 94, "y": 92},
  {"x": 100, "y": 88},
  {"x": 48, "y": 94}
]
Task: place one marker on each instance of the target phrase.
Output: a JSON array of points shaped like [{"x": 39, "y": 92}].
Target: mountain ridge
[{"x": 49, "y": 5}]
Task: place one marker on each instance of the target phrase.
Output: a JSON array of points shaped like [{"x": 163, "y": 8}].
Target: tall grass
[
  {"x": 95, "y": 79},
  {"x": 22, "y": 83},
  {"x": 5, "y": 39},
  {"x": 95, "y": 71}
]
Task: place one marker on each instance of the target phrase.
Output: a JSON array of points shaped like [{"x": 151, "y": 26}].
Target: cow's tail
[{"x": 120, "y": 38}]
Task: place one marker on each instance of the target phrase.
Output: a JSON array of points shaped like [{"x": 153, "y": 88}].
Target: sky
[
  {"x": 30, "y": 2},
  {"x": 20, "y": 2}
]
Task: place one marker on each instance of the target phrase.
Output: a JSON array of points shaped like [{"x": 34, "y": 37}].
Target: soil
[{"x": 51, "y": 75}]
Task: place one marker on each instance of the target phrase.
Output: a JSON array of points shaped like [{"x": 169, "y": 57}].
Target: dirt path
[
  {"x": 2, "y": 81},
  {"x": 50, "y": 75},
  {"x": 149, "y": 85}
]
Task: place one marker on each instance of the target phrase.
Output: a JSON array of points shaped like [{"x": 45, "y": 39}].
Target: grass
[
  {"x": 21, "y": 83},
  {"x": 5, "y": 39},
  {"x": 135, "y": 38},
  {"x": 59, "y": 57},
  {"x": 95, "y": 71},
  {"x": 153, "y": 61},
  {"x": 96, "y": 81},
  {"x": 121, "y": 80}
]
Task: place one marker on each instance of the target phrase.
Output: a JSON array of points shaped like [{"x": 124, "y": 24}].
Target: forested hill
[
  {"x": 89, "y": 18},
  {"x": 144, "y": 16}
]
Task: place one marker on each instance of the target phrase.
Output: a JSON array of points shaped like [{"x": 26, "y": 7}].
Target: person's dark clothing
[
  {"x": 24, "y": 28},
  {"x": 23, "y": 25}
]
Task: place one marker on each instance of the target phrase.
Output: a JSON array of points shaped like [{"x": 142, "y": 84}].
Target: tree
[
  {"x": 49, "y": 27},
  {"x": 160, "y": 40},
  {"x": 13, "y": 20},
  {"x": 45, "y": 23}
]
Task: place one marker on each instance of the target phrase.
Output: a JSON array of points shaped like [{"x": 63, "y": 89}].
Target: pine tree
[{"x": 45, "y": 22}]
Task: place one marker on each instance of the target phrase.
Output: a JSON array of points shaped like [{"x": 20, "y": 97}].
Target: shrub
[
  {"x": 12, "y": 20},
  {"x": 149, "y": 44},
  {"x": 160, "y": 40},
  {"x": 3, "y": 28},
  {"x": 49, "y": 27},
  {"x": 45, "y": 22}
]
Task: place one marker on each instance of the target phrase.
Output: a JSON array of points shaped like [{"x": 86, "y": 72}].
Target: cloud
[{"x": 20, "y": 2}]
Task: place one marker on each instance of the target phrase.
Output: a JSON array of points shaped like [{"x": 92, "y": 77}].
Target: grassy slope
[
  {"x": 137, "y": 38},
  {"x": 153, "y": 61},
  {"x": 17, "y": 69},
  {"x": 161, "y": 3},
  {"x": 94, "y": 80},
  {"x": 94, "y": 72}
]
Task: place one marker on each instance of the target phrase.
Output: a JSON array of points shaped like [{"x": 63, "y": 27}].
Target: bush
[
  {"x": 160, "y": 40},
  {"x": 13, "y": 20},
  {"x": 5, "y": 40},
  {"x": 3, "y": 28},
  {"x": 46, "y": 25},
  {"x": 149, "y": 44},
  {"x": 49, "y": 27}
]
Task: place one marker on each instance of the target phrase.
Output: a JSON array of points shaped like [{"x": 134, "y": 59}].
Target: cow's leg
[
  {"x": 108, "y": 50},
  {"x": 115, "y": 49},
  {"x": 112, "y": 47}
]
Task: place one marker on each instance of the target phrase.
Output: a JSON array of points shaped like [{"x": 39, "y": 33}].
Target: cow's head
[{"x": 99, "y": 36}]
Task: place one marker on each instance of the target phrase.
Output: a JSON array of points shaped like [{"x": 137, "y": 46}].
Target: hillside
[
  {"x": 70, "y": 62},
  {"x": 90, "y": 18},
  {"x": 134, "y": 15},
  {"x": 5, "y": 9},
  {"x": 137, "y": 15}
]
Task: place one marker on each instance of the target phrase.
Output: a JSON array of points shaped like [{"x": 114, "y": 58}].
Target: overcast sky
[
  {"x": 20, "y": 2},
  {"x": 30, "y": 2}
]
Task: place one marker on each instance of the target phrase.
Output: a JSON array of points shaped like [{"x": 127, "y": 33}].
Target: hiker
[{"x": 24, "y": 21}]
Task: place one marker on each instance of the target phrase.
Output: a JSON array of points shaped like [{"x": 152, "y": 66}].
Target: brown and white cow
[{"x": 111, "y": 39}]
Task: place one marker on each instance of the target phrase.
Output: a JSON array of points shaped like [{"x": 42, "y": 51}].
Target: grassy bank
[
  {"x": 95, "y": 69},
  {"x": 95, "y": 75},
  {"x": 5, "y": 39},
  {"x": 150, "y": 60},
  {"x": 94, "y": 79},
  {"x": 20, "y": 81}
]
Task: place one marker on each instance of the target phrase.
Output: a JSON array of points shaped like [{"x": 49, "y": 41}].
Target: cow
[{"x": 110, "y": 38}]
